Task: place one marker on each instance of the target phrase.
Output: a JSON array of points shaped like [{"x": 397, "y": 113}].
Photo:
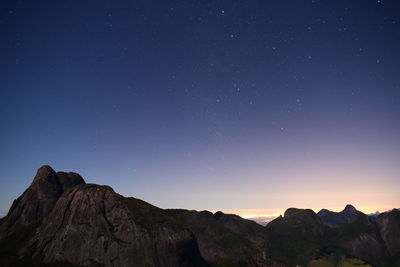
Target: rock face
[
  {"x": 39, "y": 199},
  {"x": 295, "y": 238},
  {"x": 358, "y": 233},
  {"x": 62, "y": 221},
  {"x": 362, "y": 239},
  {"x": 226, "y": 239},
  {"x": 91, "y": 225},
  {"x": 301, "y": 235},
  {"x": 337, "y": 219},
  {"x": 389, "y": 227}
]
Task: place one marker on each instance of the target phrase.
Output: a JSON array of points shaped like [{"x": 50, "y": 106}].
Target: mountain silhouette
[
  {"x": 62, "y": 221},
  {"x": 336, "y": 219}
]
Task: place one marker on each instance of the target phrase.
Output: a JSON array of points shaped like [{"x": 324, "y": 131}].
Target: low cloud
[{"x": 263, "y": 219}]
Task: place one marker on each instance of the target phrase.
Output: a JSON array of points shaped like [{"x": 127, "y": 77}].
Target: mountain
[
  {"x": 361, "y": 238},
  {"x": 91, "y": 225},
  {"x": 62, "y": 221},
  {"x": 39, "y": 199},
  {"x": 301, "y": 236},
  {"x": 296, "y": 237},
  {"x": 337, "y": 219},
  {"x": 389, "y": 227},
  {"x": 226, "y": 239},
  {"x": 373, "y": 238}
]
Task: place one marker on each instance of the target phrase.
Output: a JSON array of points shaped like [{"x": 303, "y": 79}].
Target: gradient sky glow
[{"x": 248, "y": 107}]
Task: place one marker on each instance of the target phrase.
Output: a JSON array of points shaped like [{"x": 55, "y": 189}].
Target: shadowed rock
[
  {"x": 226, "y": 239},
  {"x": 337, "y": 219},
  {"x": 295, "y": 238},
  {"x": 389, "y": 227},
  {"x": 39, "y": 199},
  {"x": 91, "y": 225},
  {"x": 362, "y": 239},
  {"x": 60, "y": 220}
]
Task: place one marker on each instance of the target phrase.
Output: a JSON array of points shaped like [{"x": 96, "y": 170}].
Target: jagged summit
[
  {"x": 61, "y": 219},
  {"x": 91, "y": 225},
  {"x": 113, "y": 233},
  {"x": 336, "y": 219},
  {"x": 44, "y": 173},
  {"x": 39, "y": 199},
  {"x": 295, "y": 237},
  {"x": 350, "y": 208}
]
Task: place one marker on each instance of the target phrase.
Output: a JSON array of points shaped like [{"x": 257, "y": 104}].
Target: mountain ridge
[{"x": 79, "y": 224}]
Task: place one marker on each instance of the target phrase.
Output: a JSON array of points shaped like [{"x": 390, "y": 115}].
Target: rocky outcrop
[
  {"x": 361, "y": 238},
  {"x": 59, "y": 220},
  {"x": 91, "y": 225},
  {"x": 389, "y": 228},
  {"x": 337, "y": 219},
  {"x": 295, "y": 238},
  {"x": 39, "y": 199},
  {"x": 301, "y": 236},
  {"x": 226, "y": 239}
]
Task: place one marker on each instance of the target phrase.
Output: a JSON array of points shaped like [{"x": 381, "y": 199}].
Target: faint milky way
[{"x": 205, "y": 104}]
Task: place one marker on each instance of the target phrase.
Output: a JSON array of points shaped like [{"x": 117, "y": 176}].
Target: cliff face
[
  {"x": 296, "y": 237},
  {"x": 372, "y": 238},
  {"x": 301, "y": 236},
  {"x": 362, "y": 239},
  {"x": 337, "y": 219},
  {"x": 59, "y": 218},
  {"x": 39, "y": 199},
  {"x": 91, "y": 225},
  {"x": 226, "y": 239},
  {"x": 62, "y": 221},
  {"x": 389, "y": 227}
]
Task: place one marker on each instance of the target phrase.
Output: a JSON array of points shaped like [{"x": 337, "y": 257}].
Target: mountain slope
[
  {"x": 389, "y": 228},
  {"x": 91, "y": 225},
  {"x": 337, "y": 219},
  {"x": 296, "y": 237},
  {"x": 361, "y": 239},
  {"x": 226, "y": 239},
  {"x": 62, "y": 221},
  {"x": 39, "y": 199}
]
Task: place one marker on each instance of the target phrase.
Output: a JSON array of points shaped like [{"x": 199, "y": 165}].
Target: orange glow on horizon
[{"x": 270, "y": 214}]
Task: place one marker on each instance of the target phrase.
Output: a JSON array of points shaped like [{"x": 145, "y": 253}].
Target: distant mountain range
[
  {"x": 62, "y": 221},
  {"x": 337, "y": 219}
]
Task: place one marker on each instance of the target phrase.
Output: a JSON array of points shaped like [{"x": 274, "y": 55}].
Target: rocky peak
[
  {"x": 69, "y": 179},
  {"x": 218, "y": 214},
  {"x": 91, "y": 225},
  {"x": 323, "y": 212},
  {"x": 295, "y": 237},
  {"x": 39, "y": 199},
  {"x": 389, "y": 227},
  {"x": 46, "y": 184},
  {"x": 337, "y": 219},
  {"x": 44, "y": 173},
  {"x": 293, "y": 213},
  {"x": 350, "y": 209}
]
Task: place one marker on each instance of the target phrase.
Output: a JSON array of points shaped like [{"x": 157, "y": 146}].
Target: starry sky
[{"x": 248, "y": 107}]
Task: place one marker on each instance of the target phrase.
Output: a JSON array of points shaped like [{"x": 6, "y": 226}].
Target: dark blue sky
[{"x": 205, "y": 104}]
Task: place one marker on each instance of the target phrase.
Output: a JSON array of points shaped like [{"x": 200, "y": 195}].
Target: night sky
[{"x": 242, "y": 106}]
